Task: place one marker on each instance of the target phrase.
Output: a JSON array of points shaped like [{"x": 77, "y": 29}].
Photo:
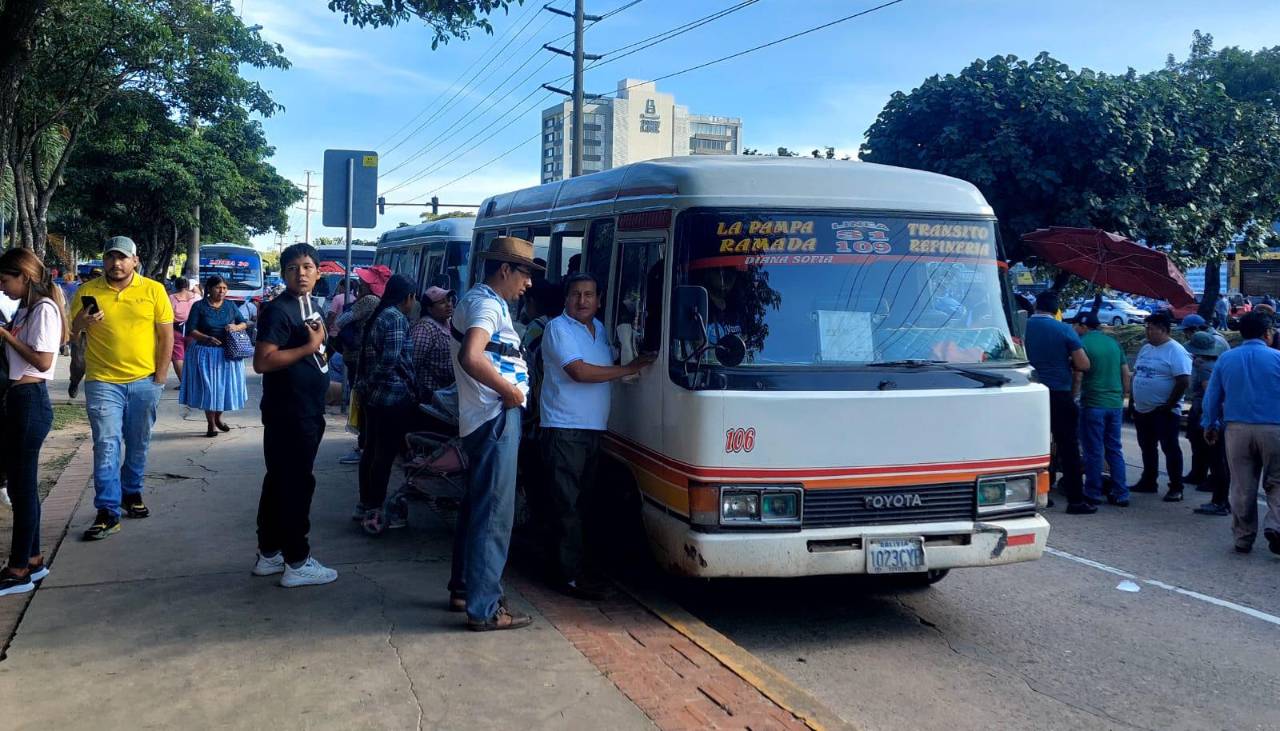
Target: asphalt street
[{"x": 1137, "y": 618}]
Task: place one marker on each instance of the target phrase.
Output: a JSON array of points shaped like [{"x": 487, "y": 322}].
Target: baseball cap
[
  {"x": 122, "y": 244},
  {"x": 435, "y": 295},
  {"x": 1191, "y": 322}
]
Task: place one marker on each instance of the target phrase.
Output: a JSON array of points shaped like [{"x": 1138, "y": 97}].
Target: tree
[
  {"x": 1167, "y": 157},
  {"x": 447, "y": 18},
  {"x": 428, "y": 216},
  {"x": 86, "y": 51},
  {"x": 140, "y": 173}
]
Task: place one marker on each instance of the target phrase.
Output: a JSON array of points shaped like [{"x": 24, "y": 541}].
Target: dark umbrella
[{"x": 1112, "y": 261}]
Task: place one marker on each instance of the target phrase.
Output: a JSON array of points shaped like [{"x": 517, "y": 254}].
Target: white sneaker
[
  {"x": 268, "y": 565},
  {"x": 310, "y": 573}
]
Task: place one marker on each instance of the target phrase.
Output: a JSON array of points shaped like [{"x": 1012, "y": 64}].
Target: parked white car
[{"x": 1112, "y": 312}]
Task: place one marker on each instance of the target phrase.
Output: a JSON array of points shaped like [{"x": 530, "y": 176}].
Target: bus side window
[
  {"x": 564, "y": 256},
  {"x": 599, "y": 255},
  {"x": 638, "y": 305}
]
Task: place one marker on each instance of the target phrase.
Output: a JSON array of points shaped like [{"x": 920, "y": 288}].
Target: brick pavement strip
[
  {"x": 678, "y": 684},
  {"x": 55, "y": 514}
]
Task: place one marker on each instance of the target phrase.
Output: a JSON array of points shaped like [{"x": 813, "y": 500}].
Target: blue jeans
[
  {"x": 27, "y": 419},
  {"x": 489, "y": 509},
  {"x": 1099, "y": 437},
  {"x": 121, "y": 416}
]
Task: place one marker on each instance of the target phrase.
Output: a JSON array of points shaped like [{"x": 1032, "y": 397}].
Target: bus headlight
[
  {"x": 735, "y": 506},
  {"x": 1006, "y": 493},
  {"x": 763, "y": 505}
]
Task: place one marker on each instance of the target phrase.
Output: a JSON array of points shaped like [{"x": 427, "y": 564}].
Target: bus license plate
[{"x": 895, "y": 556}]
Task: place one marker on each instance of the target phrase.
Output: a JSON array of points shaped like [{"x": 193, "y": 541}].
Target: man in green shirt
[{"x": 1102, "y": 391}]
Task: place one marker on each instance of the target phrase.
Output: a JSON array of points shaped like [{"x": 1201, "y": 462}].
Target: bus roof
[
  {"x": 225, "y": 245},
  {"x": 738, "y": 180},
  {"x": 451, "y": 229}
]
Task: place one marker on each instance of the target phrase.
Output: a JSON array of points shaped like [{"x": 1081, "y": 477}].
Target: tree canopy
[
  {"x": 1169, "y": 156},
  {"x": 446, "y": 18}
]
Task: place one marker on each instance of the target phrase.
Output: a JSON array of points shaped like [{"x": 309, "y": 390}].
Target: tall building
[{"x": 642, "y": 123}]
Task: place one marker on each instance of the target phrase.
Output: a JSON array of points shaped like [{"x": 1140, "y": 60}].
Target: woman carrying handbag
[
  {"x": 212, "y": 381},
  {"x": 31, "y": 344}
]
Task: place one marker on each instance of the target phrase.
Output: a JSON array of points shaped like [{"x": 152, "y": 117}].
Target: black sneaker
[
  {"x": 1118, "y": 503},
  {"x": 1081, "y": 509},
  {"x": 1273, "y": 540},
  {"x": 132, "y": 506},
  {"x": 1173, "y": 496},
  {"x": 1213, "y": 509},
  {"x": 1145, "y": 487},
  {"x": 103, "y": 525},
  {"x": 11, "y": 584}
]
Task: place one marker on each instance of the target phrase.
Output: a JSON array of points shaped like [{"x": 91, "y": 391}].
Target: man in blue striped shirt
[
  {"x": 493, "y": 386},
  {"x": 1244, "y": 394}
]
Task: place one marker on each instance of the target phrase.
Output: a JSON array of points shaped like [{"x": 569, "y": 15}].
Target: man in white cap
[
  {"x": 129, "y": 322},
  {"x": 493, "y": 386}
]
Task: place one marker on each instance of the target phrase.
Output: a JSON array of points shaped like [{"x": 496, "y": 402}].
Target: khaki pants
[{"x": 1253, "y": 451}]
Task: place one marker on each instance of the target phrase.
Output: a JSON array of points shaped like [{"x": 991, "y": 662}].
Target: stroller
[{"x": 434, "y": 460}]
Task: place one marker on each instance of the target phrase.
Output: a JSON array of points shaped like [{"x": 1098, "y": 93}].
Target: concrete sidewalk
[{"x": 162, "y": 626}]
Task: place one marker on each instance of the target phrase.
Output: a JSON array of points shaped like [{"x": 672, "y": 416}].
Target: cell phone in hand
[{"x": 90, "y": 303}]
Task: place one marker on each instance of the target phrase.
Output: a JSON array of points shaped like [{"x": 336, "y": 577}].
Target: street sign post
[{"x": 350, "y": 195}]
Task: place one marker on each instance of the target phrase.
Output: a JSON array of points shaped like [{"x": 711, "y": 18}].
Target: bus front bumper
[{"x": 953, "y": 544}]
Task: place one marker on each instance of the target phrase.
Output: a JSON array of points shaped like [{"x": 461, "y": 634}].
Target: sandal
[
  {"x": 501, "y": 619},
  {"x": 373, "y": 523}
]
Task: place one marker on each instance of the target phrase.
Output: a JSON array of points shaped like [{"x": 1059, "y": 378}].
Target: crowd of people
[
  {"x": 1233, "y": 424},
  {"x": 396, "y": 347}
]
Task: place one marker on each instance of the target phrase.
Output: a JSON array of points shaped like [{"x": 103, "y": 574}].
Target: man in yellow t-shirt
[{"x": 129, "y": 322}]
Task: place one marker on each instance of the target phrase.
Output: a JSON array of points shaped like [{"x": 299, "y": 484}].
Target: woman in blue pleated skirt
[{"x": 211, "y": 381}]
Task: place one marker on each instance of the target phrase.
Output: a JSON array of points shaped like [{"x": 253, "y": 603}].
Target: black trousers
[
  {"x": 1160, "y": 429},
  {"x": 289, "y": 444},
  {"x": 27, "y": 418},
  {"x": 384, "y": 428},
  {"x": 570, "y": 457},
  {"x": 1209, "y": 462},
  {"x": 1064, "y": 425}
]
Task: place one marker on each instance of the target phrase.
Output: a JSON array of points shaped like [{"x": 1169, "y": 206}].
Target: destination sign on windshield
[{"x": 729, "y": 239}]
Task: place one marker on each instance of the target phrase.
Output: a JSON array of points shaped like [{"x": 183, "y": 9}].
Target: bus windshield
[
  {"x": 242, "y": 270},
  {"x": 851, "y": 288},
  {"x": 361, "y": 256}
]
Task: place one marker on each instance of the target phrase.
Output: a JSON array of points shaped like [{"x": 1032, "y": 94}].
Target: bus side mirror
[
  {"x": 731, "y": 350},
  {"x": 689, "y": 313}
]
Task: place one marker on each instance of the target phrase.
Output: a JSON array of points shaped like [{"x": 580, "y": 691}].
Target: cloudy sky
[{"x": 438, "y": 115}]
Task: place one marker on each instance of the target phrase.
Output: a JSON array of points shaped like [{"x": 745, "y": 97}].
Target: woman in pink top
[
  {"x": 31, "y": 345},
  {"x": 182, "y": 299}
]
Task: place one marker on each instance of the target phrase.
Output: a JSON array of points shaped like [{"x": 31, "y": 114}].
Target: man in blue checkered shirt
[{"x": 385, "y": 382}]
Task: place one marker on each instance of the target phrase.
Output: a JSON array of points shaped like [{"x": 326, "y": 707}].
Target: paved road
[{"x": 1193, "y": 644}]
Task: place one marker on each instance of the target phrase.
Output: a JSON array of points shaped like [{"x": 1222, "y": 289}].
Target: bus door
[
  {"x": 434, "y": 269},
  {"x": 635, "y": 324}
]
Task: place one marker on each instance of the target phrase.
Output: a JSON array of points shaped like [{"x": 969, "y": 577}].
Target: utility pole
[
  {"x": 306, "y": 226},
  {"x": 578, "y": 95},
  {"x": 192, "y": 268}
]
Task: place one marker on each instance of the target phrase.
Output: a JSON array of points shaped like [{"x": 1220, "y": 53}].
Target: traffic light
[
  {"x": 382, "y": 205},
  {"x": 435, "y": 206}
]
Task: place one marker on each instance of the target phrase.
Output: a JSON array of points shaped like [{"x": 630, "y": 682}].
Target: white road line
[{"x": 1249, "y": 611}]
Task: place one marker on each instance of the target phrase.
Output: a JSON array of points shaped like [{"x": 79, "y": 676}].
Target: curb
[
  {"x": 755, "y": 672},
  {"x": 55, "y": 515}
]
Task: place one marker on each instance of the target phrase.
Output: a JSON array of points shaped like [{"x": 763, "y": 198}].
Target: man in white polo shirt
[{"x": 577, "y": 362}]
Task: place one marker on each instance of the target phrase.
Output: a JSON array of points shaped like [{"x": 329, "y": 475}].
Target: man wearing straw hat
[{"x": 493, "y": 385}]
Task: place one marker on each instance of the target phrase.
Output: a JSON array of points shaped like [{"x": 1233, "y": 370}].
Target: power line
[
  {"x": 440, "y": 111},
  {"x": 667, "y": 35},
  {"x": 673, "y": 75}
]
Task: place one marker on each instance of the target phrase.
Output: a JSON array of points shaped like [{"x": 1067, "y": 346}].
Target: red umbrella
[
  {"x": 1112, "y": 261},
  {"x": 331, "y": 267}
]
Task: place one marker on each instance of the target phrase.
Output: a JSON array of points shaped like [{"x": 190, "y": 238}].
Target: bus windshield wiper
[{"x": 987, "y": 379}]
